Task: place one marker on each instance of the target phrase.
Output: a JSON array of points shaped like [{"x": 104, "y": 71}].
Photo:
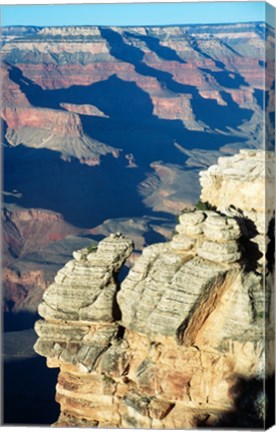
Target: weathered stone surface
[
  {"x": 159, "y": 408},
  {"x": 79, "y": 307},
  {"x": 229, "y": 231},
  {"x": 115, "y": 360},
  {"x": 219, "y": 252},
  {"x": 85, "y": 289},
  {"x": 169, "y": 348},
  {"x": 81, "y": 346},
  {"x": 227, "y": 183},
  {"x": 192, "y": 218},
  {"x": 226, "y": 186},
  {"x": 182, "y": 242},
  {"x": 190, "y": 230}
]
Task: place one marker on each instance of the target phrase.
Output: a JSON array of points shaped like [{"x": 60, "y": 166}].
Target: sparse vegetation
[
  {"x": 187, "y": 210},
  {"x": 200, "y": 205},
  {"x": 261, "y": 315},
  {"x": 92, "y": 248},
  {"x": 174, "y": 232}
]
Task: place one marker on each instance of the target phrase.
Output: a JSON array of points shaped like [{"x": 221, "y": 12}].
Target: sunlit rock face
[
  {"x": 179, "y": 343},
  {"x": 227, "y": 182}
]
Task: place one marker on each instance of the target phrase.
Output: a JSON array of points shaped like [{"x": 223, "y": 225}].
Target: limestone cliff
[
  {"x": 180, "y": 342},
  {"x": 226, "y": 185}
]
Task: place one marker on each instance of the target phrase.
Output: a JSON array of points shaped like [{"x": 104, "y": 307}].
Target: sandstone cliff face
[
  {"x": 205, "y": 47},
  {"x": 227, "y": 183},
  {"x": 60, "y": 123},
  {"x": 178, "y": 342}
]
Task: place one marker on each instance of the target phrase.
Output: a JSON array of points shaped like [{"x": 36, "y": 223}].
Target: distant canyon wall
[{"x": 173, "y": 65}]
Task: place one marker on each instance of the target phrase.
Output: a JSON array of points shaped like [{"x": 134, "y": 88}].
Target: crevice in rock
[
  {"x": 203, "y": 307},
  {"x": 121, "y": 332},
  {"x": 270, "y": 249},
  {"x": 249, "y": 249}
]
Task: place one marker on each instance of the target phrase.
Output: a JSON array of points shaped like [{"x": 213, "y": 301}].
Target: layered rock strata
[
  {"x": 228, "y": 182},
  {"x": 178, "y": 344}
]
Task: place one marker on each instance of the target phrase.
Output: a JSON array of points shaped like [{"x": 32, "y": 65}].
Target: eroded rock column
[
  {"x": 79, "y": 326},
  {"x": 243, "y": 185}
]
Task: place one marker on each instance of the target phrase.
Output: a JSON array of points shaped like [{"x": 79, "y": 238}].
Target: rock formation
[
  {"x": 227, "y": 183},
  {"x": 180, "y": 342}
]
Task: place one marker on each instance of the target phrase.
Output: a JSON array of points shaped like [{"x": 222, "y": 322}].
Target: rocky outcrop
[
  {"x": 58, "y": 122},
  {"x": 26, "y": 278},
  {"x": 78, "y": 146},
  {"x": 55, "y": 130},
  {"x": 227, "y": 182},
  {"x": 178, "y": 343},
  {"x": 176, "y": 108},
  {"x": 177, "y": 278},
  {"x": 85, "y": 109},
  {"x": 83, "y": 295}
]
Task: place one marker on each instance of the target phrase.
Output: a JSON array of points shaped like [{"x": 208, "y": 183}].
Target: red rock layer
[
  {"x": 36, "y": 227},
  {"x": 58, "y": 122}
]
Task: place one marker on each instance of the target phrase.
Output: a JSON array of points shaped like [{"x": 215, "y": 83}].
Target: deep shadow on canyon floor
[
  {"x": 28, "y": 384},
  {"x": 29, "y": 388}
]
